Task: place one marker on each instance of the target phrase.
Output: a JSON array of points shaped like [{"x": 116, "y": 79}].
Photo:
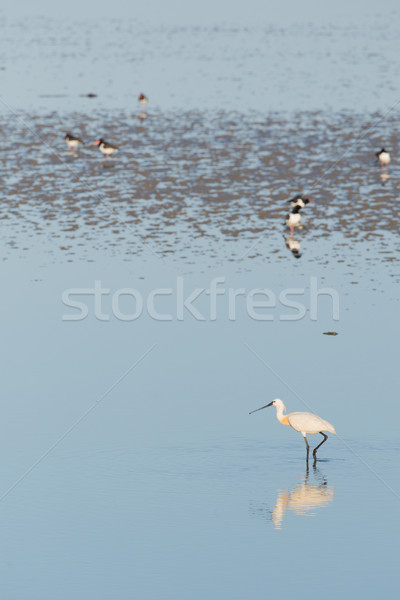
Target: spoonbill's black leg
[
  {"x": 308, "y": 447},
  {"x": 323, "y": 441}
]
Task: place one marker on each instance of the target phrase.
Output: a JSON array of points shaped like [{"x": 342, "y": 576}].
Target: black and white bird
[
  {"x": 299, "y": 200},
  {"x": 293, "y": 218},
  {"x": 143, "y": 99},
  {"x": 383, "y": 157},
  {"x": 293, "y": 245},
  {"x": 105, "y": 147},
  {"x": 72, "y": 141}
]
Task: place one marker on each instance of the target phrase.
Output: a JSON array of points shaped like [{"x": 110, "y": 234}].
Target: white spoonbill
[{"x": 304, "y": 422}]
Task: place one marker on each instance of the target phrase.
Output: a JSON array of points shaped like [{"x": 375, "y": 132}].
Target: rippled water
[
  {"x": 130, "y": 465},
  {"x": 204, "y": 180},
  {"x": 267, "y": 59}
]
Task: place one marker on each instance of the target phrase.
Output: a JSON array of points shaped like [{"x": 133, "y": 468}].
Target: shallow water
[
  {"x": 210, "y": 180},
  {"x": 130, "y": 465},
  {"x": 280, "y": 59}
]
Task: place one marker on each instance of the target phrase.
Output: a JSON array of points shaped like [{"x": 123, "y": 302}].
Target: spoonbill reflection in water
[
  {"x": 304, "y": 422},
  {"x": 304, "y": 499}
]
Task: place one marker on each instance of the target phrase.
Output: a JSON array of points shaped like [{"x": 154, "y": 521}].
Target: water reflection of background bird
[
  {"x": 293, "y": 245},
  {"x": 304, "y": 498},
  {"x": 384, "y": 177}
]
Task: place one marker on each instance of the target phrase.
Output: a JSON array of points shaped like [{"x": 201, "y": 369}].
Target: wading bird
[
  {"x": 143, "y": 99},
  {"x": 304, "y": 422},
  {"x": 105, "y": 147},
  {"x": 299, "y": 200},
  {"x": 72, "y": 141},
  {"x": 293, "y": 218},
  {"x": 383, "y": 157}
]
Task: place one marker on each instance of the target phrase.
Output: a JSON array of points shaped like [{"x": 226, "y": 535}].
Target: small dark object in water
[
  {"x": 330, "y": 333},
  {"x": 92, "y": 95}
]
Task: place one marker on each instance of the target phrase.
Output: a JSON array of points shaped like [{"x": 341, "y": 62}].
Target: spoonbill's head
[{"x": 277, "y": 402}]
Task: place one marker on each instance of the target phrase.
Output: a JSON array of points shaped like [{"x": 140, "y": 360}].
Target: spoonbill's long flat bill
[{"x": 304, "y": 422}]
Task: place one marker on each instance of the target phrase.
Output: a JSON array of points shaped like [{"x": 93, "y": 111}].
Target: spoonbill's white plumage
[{"x": 304, "y": 422}]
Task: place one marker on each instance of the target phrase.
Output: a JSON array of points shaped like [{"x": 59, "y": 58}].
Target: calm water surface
[{"x": 130, "y": 466}]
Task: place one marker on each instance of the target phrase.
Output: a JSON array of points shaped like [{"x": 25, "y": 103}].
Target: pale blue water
[
  {"x": 130, "y": 465},
  {"x": 269, "y": 59}
]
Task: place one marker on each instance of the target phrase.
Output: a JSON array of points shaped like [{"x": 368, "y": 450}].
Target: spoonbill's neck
[{"x": 280, "y": 413}]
